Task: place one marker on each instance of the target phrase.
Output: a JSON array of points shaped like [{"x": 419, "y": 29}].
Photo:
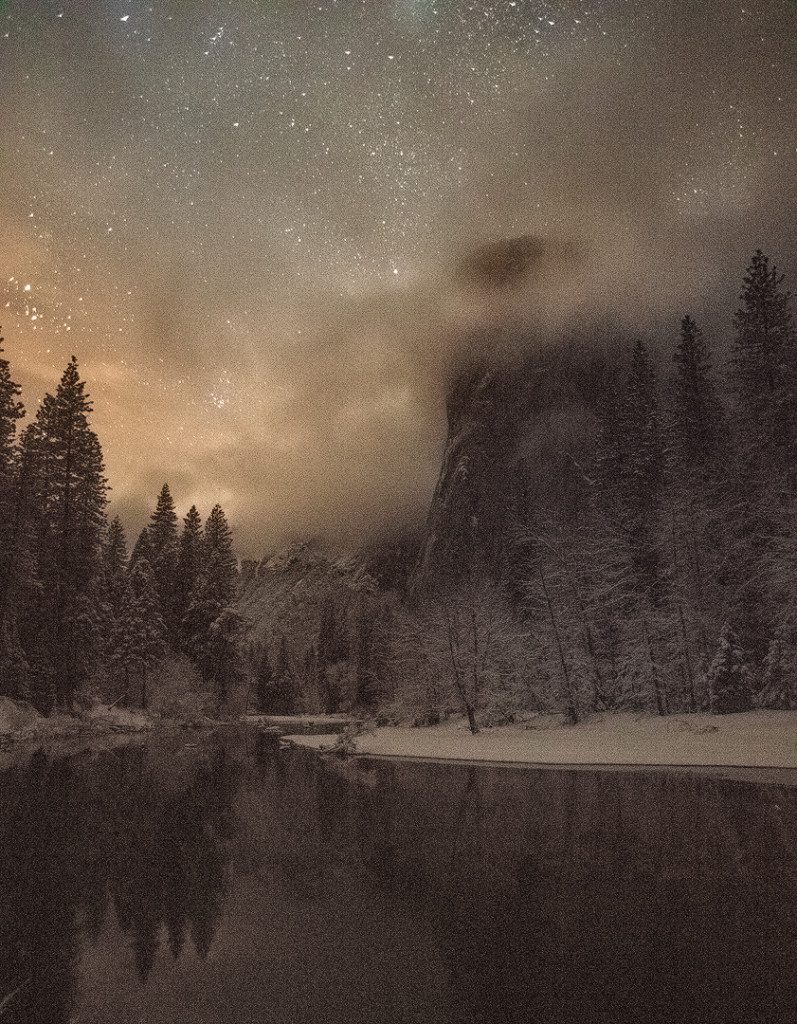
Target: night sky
[{"x": 242, "y": 215}]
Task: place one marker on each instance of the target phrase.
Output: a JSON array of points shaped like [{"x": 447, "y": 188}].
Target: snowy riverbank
[{"x": 760, "y": 739}]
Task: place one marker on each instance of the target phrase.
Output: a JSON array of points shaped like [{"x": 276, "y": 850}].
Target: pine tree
[
  {"x": 163, "y": 524},
  {"x": 114, "y": 548},
  {"x": 11, "y": 411},
  {"x": 138, "y": 640},
  {"x": 163, "y": 540},
  {"x": 729, "y": 676},
  {"x": 644, "y": 471},
  {"x": 211, "y": 628},
  {"x": 764, "y": 334},
  {"x": 142, "y": 548},
  {"x": 12, "y": 661},
  {"x": 189, "y": 561},
  {"x": 763, "y": 363},
  {"x": 697, "y": 415},
  {"x": 218, "y": 554},
  {"x": 27, "y": 668},
  {"x": 71, "y": 496},
  {"x": 109, "y": 588},
  {"x": 630, "y": 464}
]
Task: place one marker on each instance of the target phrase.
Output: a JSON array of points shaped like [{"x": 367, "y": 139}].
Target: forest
[{"x": 627, "y": 542}]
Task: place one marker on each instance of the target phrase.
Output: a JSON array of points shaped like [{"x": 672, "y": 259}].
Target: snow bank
[
  {"x": 21, "y": 721},
  {"x": 15, "y": 716},
  {"x": 760, "y": 739},
  {"x": 118, "y": 719}
]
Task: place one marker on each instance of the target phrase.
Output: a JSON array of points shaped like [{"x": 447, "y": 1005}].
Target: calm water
[{"x": 234, "y": 883}]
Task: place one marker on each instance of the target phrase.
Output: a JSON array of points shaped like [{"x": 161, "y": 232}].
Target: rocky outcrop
[{"x": 518, "y": 422}]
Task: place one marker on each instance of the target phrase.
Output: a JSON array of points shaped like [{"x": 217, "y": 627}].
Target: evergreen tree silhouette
[
  {"x": 764, "y": 363},
  {"x": 189, "y": 562},
  {"x": 163, "y": 538},
  {"x": 697, "y": 415},
  {"x": 71, "y": 498},
  {"x": 142, "y": 548},
  {"x": 211, "y": 627},
  {"x": 14, "y": 569}
]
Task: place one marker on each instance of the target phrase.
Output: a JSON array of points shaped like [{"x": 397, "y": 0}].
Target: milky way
[{"x": 239, "y": 215}]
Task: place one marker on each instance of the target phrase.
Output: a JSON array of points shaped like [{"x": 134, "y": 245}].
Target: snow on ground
[
  {"x": 20, "y": 721},
  {"x": 332, "y": 721},
  {"x": 758, "y": 739}
]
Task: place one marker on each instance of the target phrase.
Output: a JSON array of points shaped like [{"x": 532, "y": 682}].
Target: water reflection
[{"x": 232, "y": 882}]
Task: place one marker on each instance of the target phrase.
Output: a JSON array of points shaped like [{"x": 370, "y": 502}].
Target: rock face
[
  {"x": 517, "y": 427},
  {"x": 476, "y": 493}
]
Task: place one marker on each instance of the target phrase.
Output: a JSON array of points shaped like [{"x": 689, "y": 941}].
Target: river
[{"x": 228, "y": 881}]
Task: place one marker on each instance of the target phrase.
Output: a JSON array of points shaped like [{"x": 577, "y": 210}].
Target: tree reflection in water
[{"x": 232, "y": 879}]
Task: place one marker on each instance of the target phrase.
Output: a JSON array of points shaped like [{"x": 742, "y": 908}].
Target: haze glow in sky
[{"x": 241, "y": 216}]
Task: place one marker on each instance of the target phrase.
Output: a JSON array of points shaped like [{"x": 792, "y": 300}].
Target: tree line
[
  {"x": 74, "y": 606},
  {"x": 658, "y": 574}
]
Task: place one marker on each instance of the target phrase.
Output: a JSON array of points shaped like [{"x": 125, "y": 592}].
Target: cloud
[{"x": 622, "y": 180}]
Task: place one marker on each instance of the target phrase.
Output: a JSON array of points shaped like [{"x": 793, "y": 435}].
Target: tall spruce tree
[
  {"x": 763, "y": 374},
  {"x": 139, "y": 635},
  {"x": 189, "y": 561},
  {"x": 11, "y": 411},
  {"x": 631, "y": 466},
  {"x": 12, "y": 662},
  {"x": 697, "y": 415},
  {"x": 109, "y": 588},
  {"x": 163, "y": 524},
  {"x": 142, "y": 548},
  {"x": 764, "y": 361},
  {"x": 163, "y": 539},
  {"x": 211, "y": 628},
  {"x": 221, "y": 564},
  {"x": 72, "y": 495}
]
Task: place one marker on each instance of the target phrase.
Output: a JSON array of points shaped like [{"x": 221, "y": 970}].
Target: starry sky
[{"x": 244, "y": 216}]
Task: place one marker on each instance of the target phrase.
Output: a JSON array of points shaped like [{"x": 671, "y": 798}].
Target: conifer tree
[
  {"x": 631, "y": 466},
  {"x": 764, "y": 334},
  {"x": 644, "y": 471},
  {"x": 114, "y": 552},
  {"x": 764, "y": 362},
  {"x": 220, "y": 562},
  {"x": 697, "y": 416},
  {"x": 189, "y": 561},
  {"x": 211, "y": 628},
  {"x": 142, "y": 548},
  {"x": 12, "y": 662},
  {"x": 163, "y": 524},
  {"x": 163, "y": 540},
  {"x": 71, "y": 496},
  {"x": 109, "y": 588},
  {"x": 139, "y": 634},
  {"x": 11, "y": 411}
]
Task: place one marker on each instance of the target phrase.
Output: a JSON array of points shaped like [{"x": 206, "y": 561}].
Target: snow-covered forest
[{"x": 638, "y": 552}]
